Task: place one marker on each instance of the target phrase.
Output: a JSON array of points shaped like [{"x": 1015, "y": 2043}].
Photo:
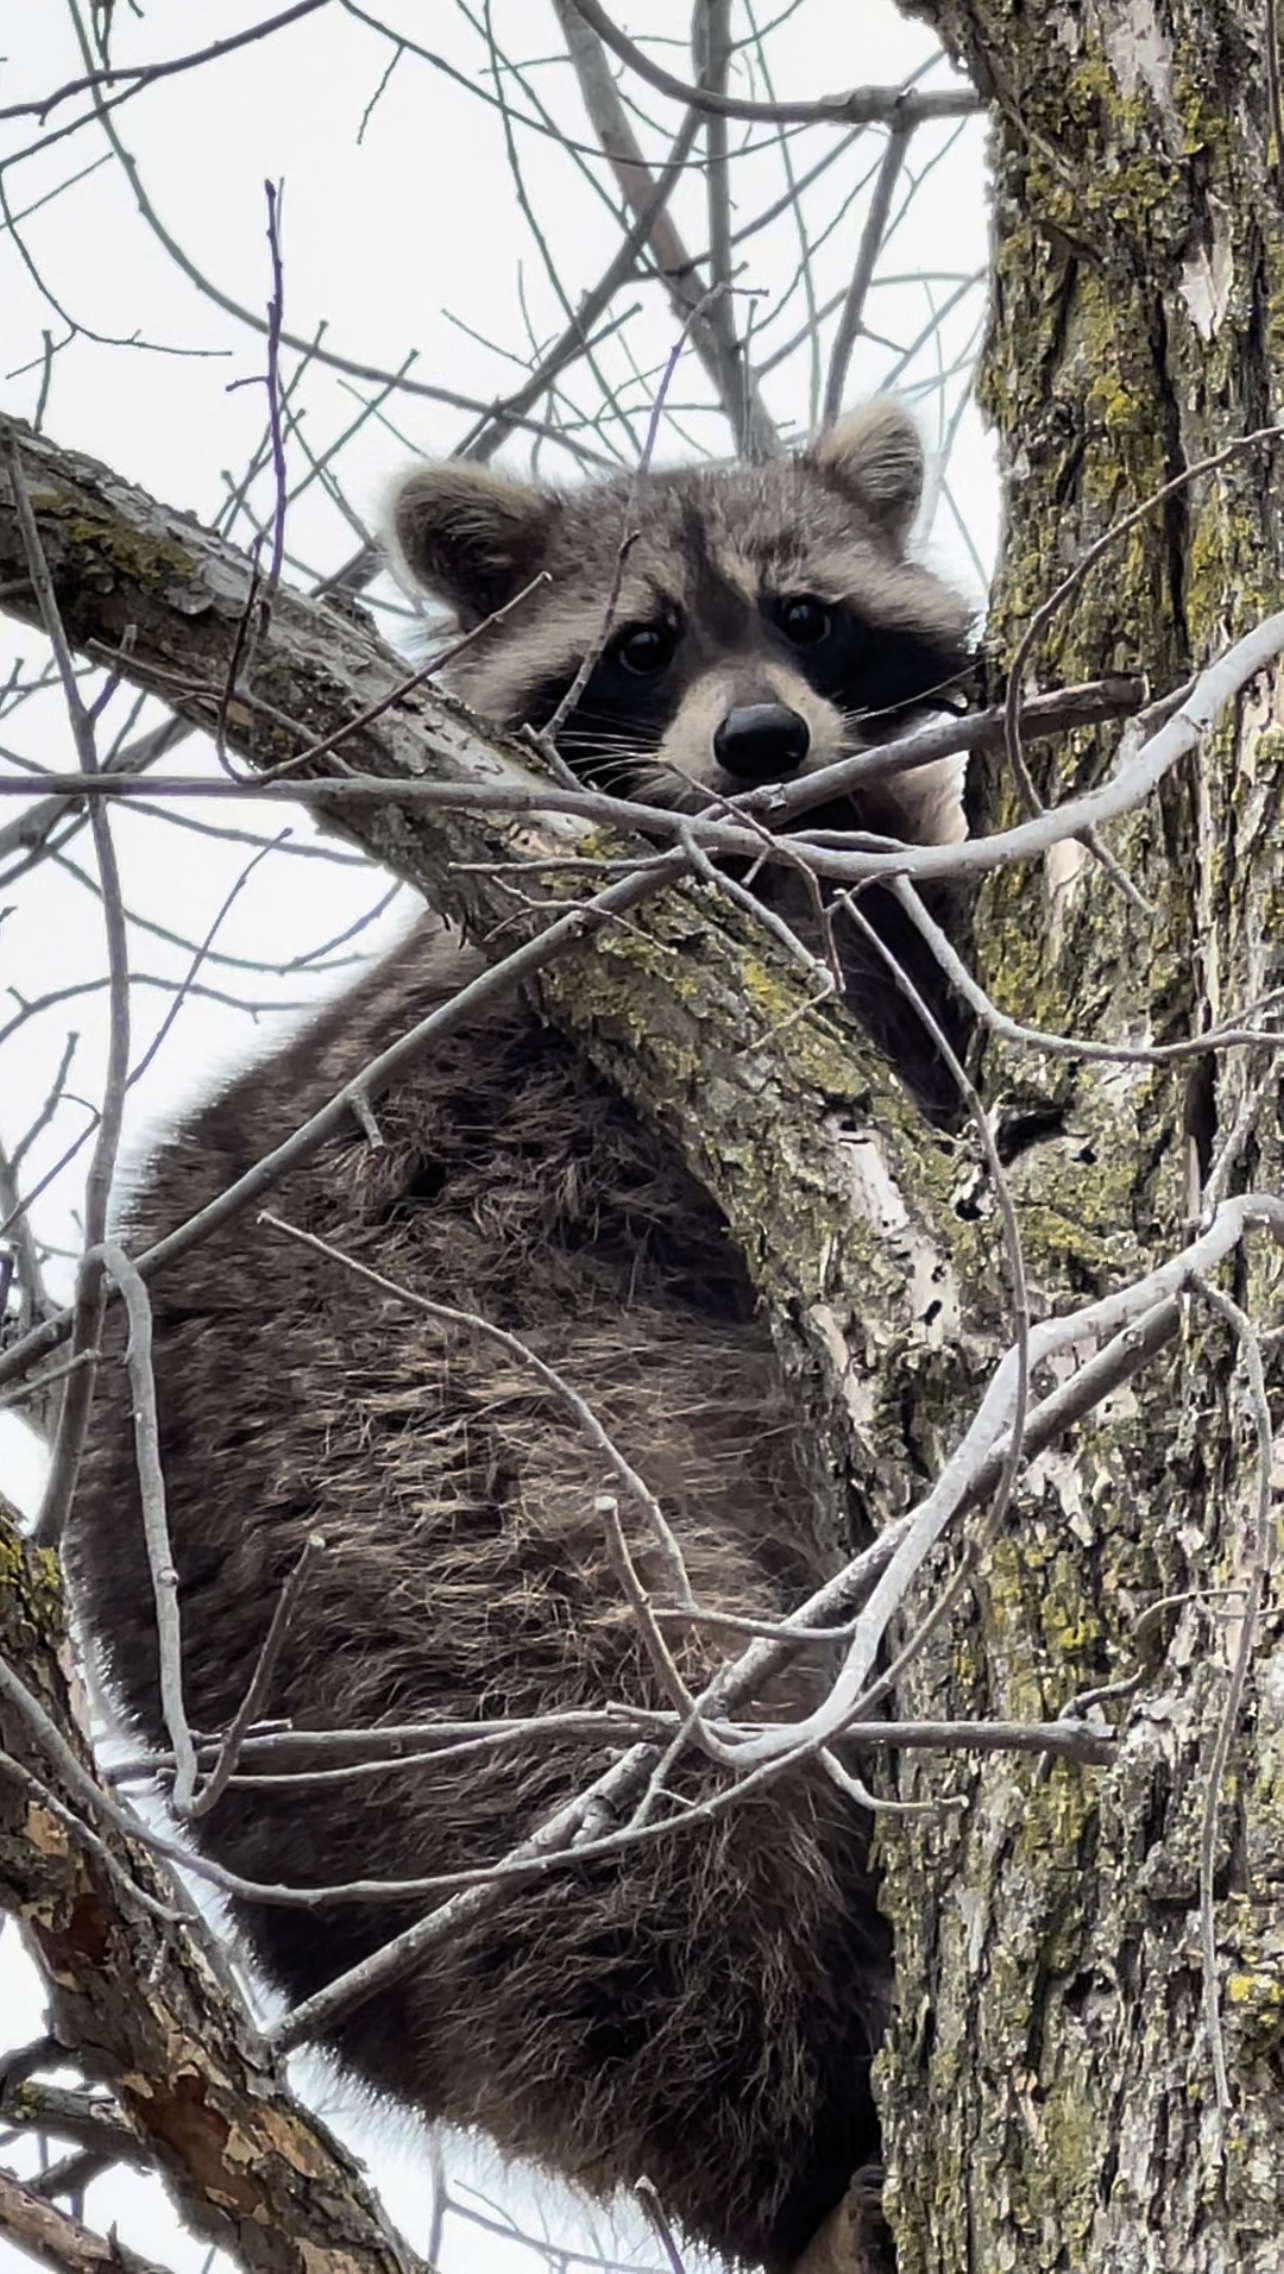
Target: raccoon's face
[{"x": 767, "y": 620}]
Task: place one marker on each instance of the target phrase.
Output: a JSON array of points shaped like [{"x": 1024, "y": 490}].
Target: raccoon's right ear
[{"x": 471, "y": 537}]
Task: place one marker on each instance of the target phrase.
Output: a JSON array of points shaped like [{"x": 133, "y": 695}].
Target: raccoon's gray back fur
[{"x": 701, "y": 2011}]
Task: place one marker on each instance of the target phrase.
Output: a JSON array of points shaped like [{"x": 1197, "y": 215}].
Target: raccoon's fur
[{"x": 703, "y": 2010}]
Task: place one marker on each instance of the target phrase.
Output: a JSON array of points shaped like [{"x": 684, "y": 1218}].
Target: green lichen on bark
[{"x": 1047, "y": 2088}]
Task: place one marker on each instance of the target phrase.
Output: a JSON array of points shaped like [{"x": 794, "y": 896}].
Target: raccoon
[
  {"x": 701, "y": 2011},
  {"x": 767, "y": 621}
]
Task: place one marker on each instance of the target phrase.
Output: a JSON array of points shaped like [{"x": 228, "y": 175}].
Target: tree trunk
[{"x": 1049, "y": 2092}]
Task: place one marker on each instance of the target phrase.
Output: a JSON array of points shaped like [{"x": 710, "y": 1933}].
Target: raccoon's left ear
[
  {"x": 471, "y": 537},
  {"x": 874, "y": 457}
]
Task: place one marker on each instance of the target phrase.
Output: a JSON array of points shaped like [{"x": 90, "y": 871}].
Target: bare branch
[
  {"x": 141, "y": 75},
  {"x": 53, "y": 2238},
  {"x": 151, "y": 1488},
  {"x": 863, "y": 106},
  {"x": 713, "y": 332},
  {"x": 852, "y": 317}
]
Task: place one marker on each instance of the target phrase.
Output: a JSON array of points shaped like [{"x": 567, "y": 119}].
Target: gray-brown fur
[{"x": 703, "y": 2010}]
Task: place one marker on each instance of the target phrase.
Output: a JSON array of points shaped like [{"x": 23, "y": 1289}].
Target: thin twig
[
  {"x": 711, "y": 55},
  {"x": 151, "y": 1492},
  {"x": 276, "y": 314},
  {"x": 142, "y": 75},
  {"x": 260, "y": 1682},
  {"x": 1232, "y": 1033},
  {"x": 647, "y": 2196},
  {"x": 849, "y": 322},
  {"x": 921, "y": 745},
  {"x": 338, "y": 1756}
]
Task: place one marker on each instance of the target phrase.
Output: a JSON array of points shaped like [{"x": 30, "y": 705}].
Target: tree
[
  {"x": 1102, "y": 1954},
  {"x": 1060, "y": 1326}
]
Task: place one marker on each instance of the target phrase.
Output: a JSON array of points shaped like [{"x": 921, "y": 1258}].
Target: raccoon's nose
[{"x": 758, "y": 742}]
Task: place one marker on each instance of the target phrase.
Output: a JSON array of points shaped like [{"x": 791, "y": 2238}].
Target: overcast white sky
[{"x": 402, "y": 231}]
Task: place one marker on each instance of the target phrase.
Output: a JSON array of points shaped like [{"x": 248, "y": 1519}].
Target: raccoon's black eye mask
[
  {"x": 643, "y": 651},
  {"x": 805, "y": 621},
  {"x": 629, "y": 696},
  {"x": 863, "y": 668},
  {"x": 858, "y": 665}
]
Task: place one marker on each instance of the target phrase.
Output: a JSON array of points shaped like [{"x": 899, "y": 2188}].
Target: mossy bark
[{"x": 1048, "y": 2089}]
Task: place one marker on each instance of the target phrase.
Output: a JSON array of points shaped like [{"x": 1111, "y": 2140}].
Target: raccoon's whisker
[
  {"x": 659, "y": 782},
  {"x": 591, "y": 737},
  {"x": 626, "y": 770},
  {"x": 946, "y": 694}
]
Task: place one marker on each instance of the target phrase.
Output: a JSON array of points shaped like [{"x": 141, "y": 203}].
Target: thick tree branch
[
  {"x": 53, "y": 2238},
  {"x": 148, "y": 2010}
]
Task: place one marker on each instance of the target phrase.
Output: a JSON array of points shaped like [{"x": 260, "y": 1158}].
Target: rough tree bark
[
  {"x": 1048, "y": 2093},
  {"x": 143, "y": 1999}
]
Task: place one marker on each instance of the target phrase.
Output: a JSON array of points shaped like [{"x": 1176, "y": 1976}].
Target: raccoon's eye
[
  {"x": 645, "y": 650},
  {"x": 805, "y": 622}
]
